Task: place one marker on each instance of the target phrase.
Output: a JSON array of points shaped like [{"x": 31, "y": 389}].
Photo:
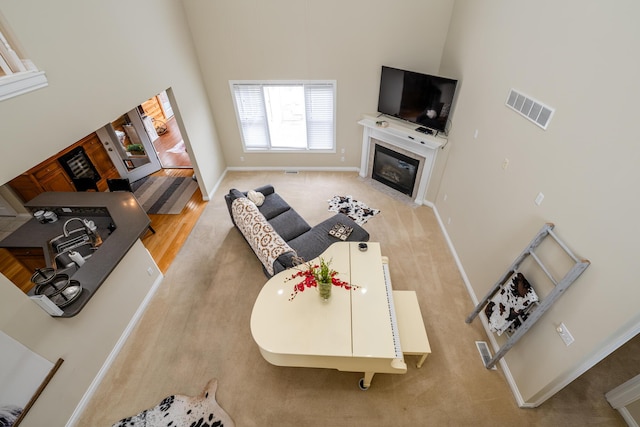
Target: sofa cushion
[
  {"x": 289, "y": 224},
  {"x": 264, "y": 241},
  {"x": 312, "y": 243},
  {"x": 273, "y": 206},
  {"x": 235, "y": 194}
]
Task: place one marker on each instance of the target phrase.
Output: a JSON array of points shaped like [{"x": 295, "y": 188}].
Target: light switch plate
[{"x": 565, "y": 334}]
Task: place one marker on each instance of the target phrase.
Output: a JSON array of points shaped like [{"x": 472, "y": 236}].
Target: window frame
[{"x": 271, "y": 149}]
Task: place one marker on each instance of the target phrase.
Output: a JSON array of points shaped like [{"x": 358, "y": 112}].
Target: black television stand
[{"x": 424, "y": 130}]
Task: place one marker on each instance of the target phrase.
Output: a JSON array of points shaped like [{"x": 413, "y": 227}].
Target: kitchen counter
[{"x": 120, "y": 208}]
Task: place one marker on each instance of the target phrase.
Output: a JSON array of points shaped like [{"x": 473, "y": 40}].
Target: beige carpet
[{"x": 197, "y": 327}]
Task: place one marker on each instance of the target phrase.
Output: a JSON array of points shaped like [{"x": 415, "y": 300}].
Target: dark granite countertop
[{"x": 120, "y": 208}]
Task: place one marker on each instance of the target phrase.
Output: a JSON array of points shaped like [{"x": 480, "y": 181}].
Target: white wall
[
  {"x": 102, "y": 59},
  {"x": 347, "y": 41},
  {"x": 84, "y": 341},
  {"x": 578, "y": 57}
]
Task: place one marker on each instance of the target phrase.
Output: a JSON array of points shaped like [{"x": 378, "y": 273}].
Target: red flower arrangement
[{"x": 315, "y": 273}]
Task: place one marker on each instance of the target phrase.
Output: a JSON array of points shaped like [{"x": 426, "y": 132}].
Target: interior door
[{"x": 129, "y": 144}]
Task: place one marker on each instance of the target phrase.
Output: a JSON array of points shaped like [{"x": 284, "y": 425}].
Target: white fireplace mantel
[{"x": 404, "y": 137}]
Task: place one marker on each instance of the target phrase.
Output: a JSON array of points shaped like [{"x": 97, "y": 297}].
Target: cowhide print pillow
[
  {"x": 178, "y": 411},
  {"x": 509, "y": 303}
]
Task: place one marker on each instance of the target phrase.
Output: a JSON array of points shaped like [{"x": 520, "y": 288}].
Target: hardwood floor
[
  {"x": 169, "y": 141},
  {"x": 172, "y": 230}
]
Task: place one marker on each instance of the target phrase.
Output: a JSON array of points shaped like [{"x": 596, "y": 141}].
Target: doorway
[
  {"x": 169, "y": 144},
  {"x": 146, "y": 139}
]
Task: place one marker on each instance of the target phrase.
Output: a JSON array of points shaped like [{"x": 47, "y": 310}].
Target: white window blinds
[
  {"x": 252, "y": 115},
  {"x": 320, "y": 110},
  {"x": 273, "y": 117}
]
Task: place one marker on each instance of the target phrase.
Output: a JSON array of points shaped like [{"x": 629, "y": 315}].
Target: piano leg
[
  {"x": 422, "y": 359},
  {"x": 365, "y": 382}
]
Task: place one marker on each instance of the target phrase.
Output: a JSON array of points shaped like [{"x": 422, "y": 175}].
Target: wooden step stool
[{"x": 413, "y": 335}]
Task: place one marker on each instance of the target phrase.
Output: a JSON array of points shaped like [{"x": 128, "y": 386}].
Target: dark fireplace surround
[{"x": 395, "y": 169}]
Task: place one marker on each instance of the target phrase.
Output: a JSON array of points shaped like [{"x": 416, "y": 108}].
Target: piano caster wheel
[{"x": 361, "y": 385}]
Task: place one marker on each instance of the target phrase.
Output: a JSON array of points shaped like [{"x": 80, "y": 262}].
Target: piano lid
[
  {"x": 350, "y": 324},
  {"x": 307, "y": 325}
]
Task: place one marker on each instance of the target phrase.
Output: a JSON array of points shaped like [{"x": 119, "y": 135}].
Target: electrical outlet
[
  {"x": 539, "y": 199},
  {"x": 565, "y": 334},
  {"x": 150, "y": 271},
  {"x": 505, "y": 163},
  {"x": 242, "y": 158}
]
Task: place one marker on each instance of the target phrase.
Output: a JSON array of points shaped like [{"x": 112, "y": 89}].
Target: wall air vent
[{"x": 531, "y": 109}]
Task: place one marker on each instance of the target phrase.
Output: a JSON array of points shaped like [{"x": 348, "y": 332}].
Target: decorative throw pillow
[
  {"x": 510, "y": 304},
  {"x": 263, "y": 239},
  {"x": 340, "y": 231},
  {"x": 256, "y": 197}
]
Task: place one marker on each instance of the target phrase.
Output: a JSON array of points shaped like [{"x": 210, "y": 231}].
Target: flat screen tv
[{"x": 419, "y": 98}]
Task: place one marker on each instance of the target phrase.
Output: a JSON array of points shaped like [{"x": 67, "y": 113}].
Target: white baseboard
[
  {"x": 114, "y": 352},
  {"x": 215, "y": 187},
  {"x": 293, "y": 168},
  {"x": 631, "y": 422},
  {"x": 485, "y": 324}
]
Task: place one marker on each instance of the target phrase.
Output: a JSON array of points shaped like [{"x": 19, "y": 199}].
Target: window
[
  {"x": 18, "y": 75},
  {"x": 286, "y": 116}
]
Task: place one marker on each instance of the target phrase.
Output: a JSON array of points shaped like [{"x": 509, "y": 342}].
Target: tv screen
[{"x": 418, "y": 98}]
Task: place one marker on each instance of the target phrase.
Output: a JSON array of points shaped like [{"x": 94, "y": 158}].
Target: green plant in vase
[
  {"x": 319, "y": 276},
  {"x": 323, "y": 276}
]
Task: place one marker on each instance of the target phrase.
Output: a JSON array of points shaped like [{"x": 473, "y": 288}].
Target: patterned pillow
[
  {"x": 510, "y": 304},
  {"x": 263, "y": 239}
]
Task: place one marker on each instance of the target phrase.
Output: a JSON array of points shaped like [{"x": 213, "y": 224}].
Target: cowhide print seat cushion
[
  {"x": 509, "y": 303},
  {"x": 177, "y": 411}
]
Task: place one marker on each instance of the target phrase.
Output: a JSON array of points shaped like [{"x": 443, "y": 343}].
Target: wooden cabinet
[
  {"x": 47, "y": 176},
  {"x": 26, "y": 186},
  {"x": 51, "y": 176},
  {"x": 30, "y": 258},
  {"x": 14, "y": 270}
]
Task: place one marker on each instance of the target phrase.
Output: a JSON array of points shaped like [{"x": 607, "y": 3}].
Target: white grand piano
[{"x": 354, "y": 331}]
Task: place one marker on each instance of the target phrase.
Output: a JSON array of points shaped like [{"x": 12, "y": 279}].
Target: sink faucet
[
  {"x": 89, "y": 226},
  {"x": 84, "y": 224}
]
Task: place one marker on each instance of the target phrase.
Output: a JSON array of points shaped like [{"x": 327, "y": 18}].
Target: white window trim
[{"x": 285, "y": 82}]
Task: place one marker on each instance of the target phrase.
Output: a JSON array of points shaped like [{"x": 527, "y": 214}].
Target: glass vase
[{"x": 324, "y": 288}]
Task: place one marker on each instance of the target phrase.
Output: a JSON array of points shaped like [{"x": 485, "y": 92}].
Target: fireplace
[
  {"x": 407, "y": 151},
  {"x": 395, "y": 169}
]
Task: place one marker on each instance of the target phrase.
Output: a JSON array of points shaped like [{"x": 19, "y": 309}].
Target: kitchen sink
[
  {"x": 63, "y": 259},
  {"x": 78, "y": 240},
  {"x": 75, "y": 239}
]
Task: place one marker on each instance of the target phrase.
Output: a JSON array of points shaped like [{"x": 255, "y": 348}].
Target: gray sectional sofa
[{"x": 303, "y": 241}]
